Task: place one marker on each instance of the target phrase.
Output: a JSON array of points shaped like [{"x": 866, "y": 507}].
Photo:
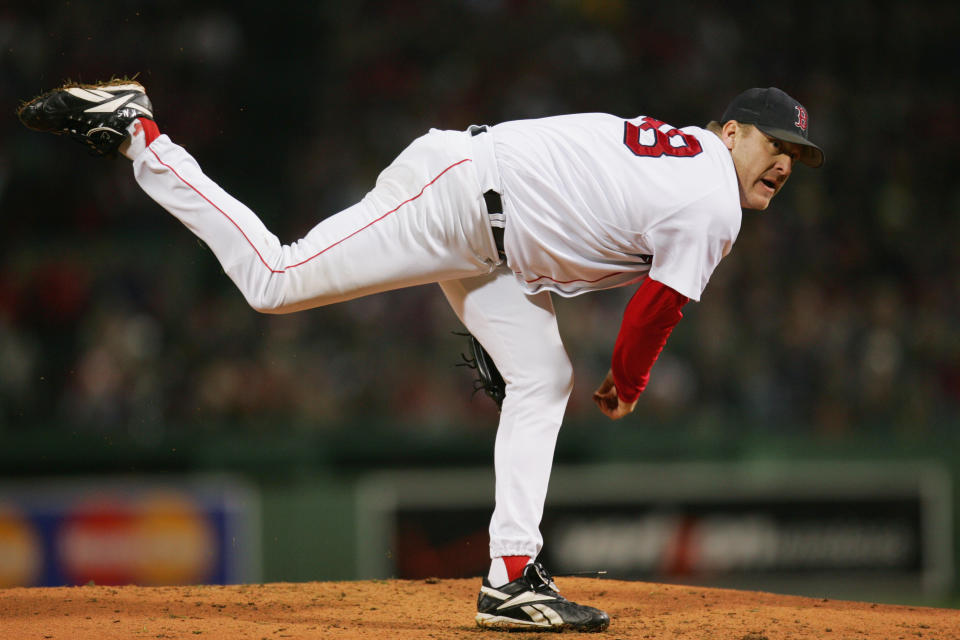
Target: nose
[{"x": 785, "y": 164}]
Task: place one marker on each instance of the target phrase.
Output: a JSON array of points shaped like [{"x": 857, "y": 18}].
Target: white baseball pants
[{"x": 424, "y": 221}]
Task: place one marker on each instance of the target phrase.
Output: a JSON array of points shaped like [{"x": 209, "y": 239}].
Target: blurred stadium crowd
[{"x": 837, "y": 311}]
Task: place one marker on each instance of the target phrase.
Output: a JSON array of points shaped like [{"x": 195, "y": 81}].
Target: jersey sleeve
[
  {"x": 650, "y": 316},
  {"x": 688, "y": 246}
]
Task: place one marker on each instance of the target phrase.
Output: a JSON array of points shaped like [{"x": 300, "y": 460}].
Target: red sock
[
  {"x": 150, "y": 130},
  {"x": 515, "y": 566}
]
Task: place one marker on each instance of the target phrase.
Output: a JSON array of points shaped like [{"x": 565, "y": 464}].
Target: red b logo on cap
[{"x": 801, "y": 118}]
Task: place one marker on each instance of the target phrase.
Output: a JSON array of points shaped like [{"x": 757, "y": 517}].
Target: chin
[
  {"x": 760, "y": 201},
  {"x": 757, "y": 204}
]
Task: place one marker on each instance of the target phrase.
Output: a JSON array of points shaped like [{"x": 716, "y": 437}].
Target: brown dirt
[{"x": 398, "y": 609}]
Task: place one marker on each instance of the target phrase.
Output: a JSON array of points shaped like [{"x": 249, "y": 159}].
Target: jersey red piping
[
  {"x": 322, "y": 251},
  {"x": 609, "y": 275},
  {"x": 440, "y": 175},
  {"x": 232, "y": 221}
]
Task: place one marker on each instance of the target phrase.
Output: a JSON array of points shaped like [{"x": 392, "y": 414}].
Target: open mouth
[{"x": 770, "y": 184}]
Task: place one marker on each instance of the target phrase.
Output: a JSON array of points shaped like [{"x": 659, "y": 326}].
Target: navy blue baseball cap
[{"x": 777, "y": 115}]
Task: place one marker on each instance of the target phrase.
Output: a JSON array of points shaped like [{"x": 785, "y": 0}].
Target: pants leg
[
  {"x": 422, "y": 222},
  {"x": 520, "y": 332}
]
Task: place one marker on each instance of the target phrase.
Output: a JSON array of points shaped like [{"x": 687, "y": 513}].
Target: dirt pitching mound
[{"x": 401, "y": 609}]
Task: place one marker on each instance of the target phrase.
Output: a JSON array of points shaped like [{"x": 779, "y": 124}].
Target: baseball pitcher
[{"x": 502, "y": 217}]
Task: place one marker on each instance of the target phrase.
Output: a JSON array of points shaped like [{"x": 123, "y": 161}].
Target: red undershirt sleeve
[{"x": 650, "y": 316}]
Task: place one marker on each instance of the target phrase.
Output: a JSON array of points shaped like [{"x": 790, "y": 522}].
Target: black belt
[
  {"x": 492, "y": 199},
  {"x": 495, "y": 205}
]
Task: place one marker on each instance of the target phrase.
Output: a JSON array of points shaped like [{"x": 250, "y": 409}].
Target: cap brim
[{"x": 811, "y": 155}]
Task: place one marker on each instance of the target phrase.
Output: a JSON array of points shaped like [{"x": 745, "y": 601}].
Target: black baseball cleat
[
  {"x": 532, "y": 602},
  {"x": 94, "y": 114}
]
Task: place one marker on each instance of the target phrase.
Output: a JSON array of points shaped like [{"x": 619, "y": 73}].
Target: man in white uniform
[{"x": 501, "y": 217}]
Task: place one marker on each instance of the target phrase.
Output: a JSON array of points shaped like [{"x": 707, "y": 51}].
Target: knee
[
  {"x": 275, "y": 294},
  {"x": 562, "y": 378},
  {"x": 268, "y": 310},
  {"x": 551, "y": 379},
  {"x": 266, "y": 301},
  {"x": 262, "y": 304}
]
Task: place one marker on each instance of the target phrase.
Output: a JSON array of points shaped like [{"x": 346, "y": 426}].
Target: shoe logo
[
  {"x": 527, "y": 597},
  {"x": 113, "y": 105},
  {"x": 107, "y": 101},
  {"x": 490, "y": 591},
  {"x": 542, "y": 614}
]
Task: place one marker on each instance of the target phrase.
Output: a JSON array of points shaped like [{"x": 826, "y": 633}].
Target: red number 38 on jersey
[{"x": 664, "y": 141}]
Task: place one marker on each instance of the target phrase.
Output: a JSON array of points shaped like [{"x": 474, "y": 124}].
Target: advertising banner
[
  {"x": 119, "y": 531},
  {"x": 797, "y": 528}
]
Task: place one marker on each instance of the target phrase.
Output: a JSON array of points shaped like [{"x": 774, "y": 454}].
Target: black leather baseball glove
[{"x": 488, "y": 377}]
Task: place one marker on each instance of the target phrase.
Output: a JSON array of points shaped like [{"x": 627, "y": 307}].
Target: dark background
[{"x": 830, "y": 330}]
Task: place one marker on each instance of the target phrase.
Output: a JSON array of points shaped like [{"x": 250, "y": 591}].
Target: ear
[{"x": 728, "y": 133}]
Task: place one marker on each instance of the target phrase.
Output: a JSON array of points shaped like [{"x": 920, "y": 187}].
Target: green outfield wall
[{"x": 312, "y": 496}]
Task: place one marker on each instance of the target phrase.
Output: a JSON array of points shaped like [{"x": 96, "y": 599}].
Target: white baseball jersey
[{"x": 593, "y": 201}]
